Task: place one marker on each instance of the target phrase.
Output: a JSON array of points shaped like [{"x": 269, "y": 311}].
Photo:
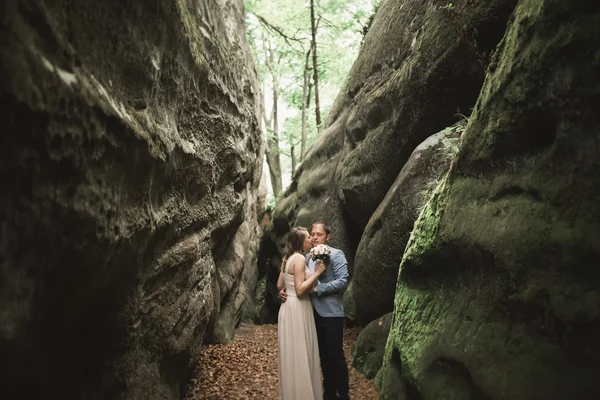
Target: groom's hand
[{"x": 283, "y": 295}]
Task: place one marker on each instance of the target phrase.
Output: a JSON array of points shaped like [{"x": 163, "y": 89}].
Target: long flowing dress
[{"x": 299, "y": 365}]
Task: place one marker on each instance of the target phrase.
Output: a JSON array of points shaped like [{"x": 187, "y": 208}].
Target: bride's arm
[
  {"x": 280, "y": 282},
  {"x": 302, "y": 284}
]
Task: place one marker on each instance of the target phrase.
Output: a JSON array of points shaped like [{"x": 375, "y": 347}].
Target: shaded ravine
[
  {"x": 420, "y": 66},
  {"x": 130, "y": 164},
  {"x": 478, "y": 245}
]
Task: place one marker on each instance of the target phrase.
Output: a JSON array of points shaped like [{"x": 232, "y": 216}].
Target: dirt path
[{"x": 247, "y": 368}]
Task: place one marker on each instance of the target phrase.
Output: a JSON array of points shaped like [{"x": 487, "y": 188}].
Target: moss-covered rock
[
  {"x": 367, "y": 353},
  {"x": 130, "y": 158},
  {"x": 372, "y": 290},
  {"x": 498, "y": 293},
  {"x": 421, "y": 63}
]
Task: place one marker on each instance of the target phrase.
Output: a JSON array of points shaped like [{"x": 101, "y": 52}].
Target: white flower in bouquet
[{"x": 320, "y": 252}]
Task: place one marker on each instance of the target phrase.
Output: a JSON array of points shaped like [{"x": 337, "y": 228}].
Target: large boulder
[
  {"x": 419, "y": 65},
  {"x": 373, "y": 287},
  {"x": 368, "y": 351},
  {"x": 499, "y": 289},
  {"x": 130, "y": 163}
]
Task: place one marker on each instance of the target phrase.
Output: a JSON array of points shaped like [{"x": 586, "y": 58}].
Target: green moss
[
  {"x": 193, "y": 33},
  {"x": 426, "y": 227},
  {"x": 517, "y": 217},
  {"x": 515, "y": 229},
  {"x": 419, "y": 316}
]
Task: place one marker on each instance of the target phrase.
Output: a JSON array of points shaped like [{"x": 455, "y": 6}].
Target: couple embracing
[{"x": 311, "y": 318}]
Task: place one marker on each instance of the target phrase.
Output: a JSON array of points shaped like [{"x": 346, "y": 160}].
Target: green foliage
[
  {"x": 453, "y": 141},
  {"x": 292, "y": 134},
  {"x": 455, "y": 129},
  {"x": 455, "y": 133},
  {"x": 454, "y": 146},
  {"x": 281, "y": 30}
]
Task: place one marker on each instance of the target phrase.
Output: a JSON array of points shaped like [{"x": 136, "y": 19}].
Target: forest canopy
[{"x": 303, "y": 52}]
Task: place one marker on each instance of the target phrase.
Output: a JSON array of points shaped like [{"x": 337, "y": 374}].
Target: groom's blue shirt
[{"x": 327, "y": 302}]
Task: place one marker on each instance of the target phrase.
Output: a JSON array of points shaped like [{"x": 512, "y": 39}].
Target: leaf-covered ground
[{"x": 247, "y": 368}]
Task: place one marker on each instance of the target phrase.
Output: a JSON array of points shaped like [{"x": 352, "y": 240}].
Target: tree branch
[
  {"x": 327, "y": 22},
  {"x": 280, "y": 32}
]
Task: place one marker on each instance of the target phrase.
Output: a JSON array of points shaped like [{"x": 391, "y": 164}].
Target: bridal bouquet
[{"x": 320, "y": 252}]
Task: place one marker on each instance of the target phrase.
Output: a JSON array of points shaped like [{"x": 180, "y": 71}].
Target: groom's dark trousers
[{"x": 333, "y": 362}]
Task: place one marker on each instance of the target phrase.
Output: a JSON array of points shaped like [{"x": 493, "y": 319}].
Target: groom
[{"x": 326, "y": 299}]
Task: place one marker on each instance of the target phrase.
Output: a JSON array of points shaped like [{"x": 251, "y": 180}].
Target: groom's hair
[{"x": 326, "y": 227}]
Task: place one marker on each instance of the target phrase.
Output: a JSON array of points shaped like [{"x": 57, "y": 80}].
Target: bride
[{"x": 299, "y": 365}]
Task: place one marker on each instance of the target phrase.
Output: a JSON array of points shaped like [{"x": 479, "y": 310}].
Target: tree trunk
[
  {"x": 315, "y": 70},
  {"x": 273, "y": 161},
  {"x": 272, "y": 128},
  {"x": 277, "y": 186},
  {"x": 293, "y": 157},
  {"x": 304, "y": 106}
]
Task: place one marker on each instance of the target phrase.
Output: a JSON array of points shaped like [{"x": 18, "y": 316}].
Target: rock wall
[
  {"x": 373, "y": 287},
  {"x": 497, "y": 292},
  {"x": 420, "y": 65},
  {"x": 130, "y": 162},
  {"x": 498, "y": 295}
]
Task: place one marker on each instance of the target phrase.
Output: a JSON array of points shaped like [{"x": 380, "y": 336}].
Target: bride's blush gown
[{"x": 299, "y": 365}]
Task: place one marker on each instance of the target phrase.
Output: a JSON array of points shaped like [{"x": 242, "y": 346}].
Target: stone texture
[
  {"x": 129, "y": 163},
  {"x": 367, "y": 353},
  {"x": 498, "y": 294},
  {"x": 417, "y": 68},
  {"x": 373, "y": 287},
  {"x": 419, "y": 64}
]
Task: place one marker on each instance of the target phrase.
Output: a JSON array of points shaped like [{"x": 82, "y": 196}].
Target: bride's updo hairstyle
[{"x": 295, "y": 241}]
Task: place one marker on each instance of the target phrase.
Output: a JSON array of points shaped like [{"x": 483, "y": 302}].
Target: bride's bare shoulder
[{"x": 299, "y": 262}]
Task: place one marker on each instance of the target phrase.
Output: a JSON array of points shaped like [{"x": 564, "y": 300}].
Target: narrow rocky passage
[
  {"x": 457, "y": 167},
  {"x": 247, "y": 368}
]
